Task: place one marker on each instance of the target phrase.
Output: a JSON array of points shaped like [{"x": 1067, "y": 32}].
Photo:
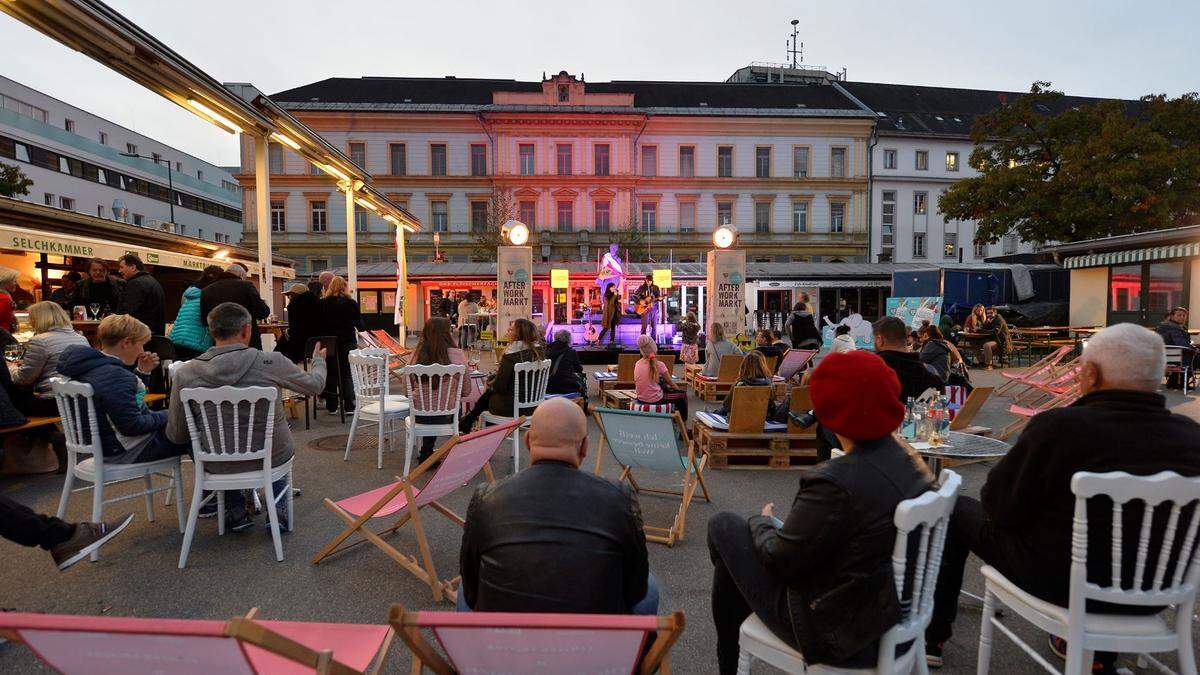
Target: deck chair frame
[
  {"x": 423, "y": 568},
  {"x": 970, "y": 408},
  {"x": 692, "y": 467},
  {"x": 408, "y": 626},
  {"x": 1046, "y": 364}
]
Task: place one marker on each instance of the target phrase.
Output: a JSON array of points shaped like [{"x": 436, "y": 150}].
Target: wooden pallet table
[
  {"x": 617, "y": 398},
  {"x": 746, "y": 445}
]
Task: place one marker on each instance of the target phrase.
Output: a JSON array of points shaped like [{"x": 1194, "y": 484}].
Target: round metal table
[{"x": 963, "y": 446}]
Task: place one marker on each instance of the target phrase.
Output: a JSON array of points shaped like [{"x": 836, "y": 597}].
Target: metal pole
[
  {"x": 262, "y": 216},
  {"x": 170, "y": 190},
  {"x": 351, "y": 244}
]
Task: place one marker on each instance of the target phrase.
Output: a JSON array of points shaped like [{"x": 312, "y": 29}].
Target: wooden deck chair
[
  {"x": 84, "y": 645},
  {"x": 537, "y": 644},
  {"x": 800, "y": 403},
  {"x": 1039, "y": 370},
  {"x": 966, "y": 414},
  {"x": 1024, "y": 413},
  {"x": 624, "y": 376},
  {"x": 794, "y": 362},
  {"x": 462, "y": 457},
  {"x": 389, "y": 343},
  {"x": 654, "y": 442},
  {"x": 712, "y": 388},
  {"x": 1052, "y": 384}
]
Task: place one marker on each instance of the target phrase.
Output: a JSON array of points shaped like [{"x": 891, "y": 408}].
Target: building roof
[{"x": 1174, "y": 235}]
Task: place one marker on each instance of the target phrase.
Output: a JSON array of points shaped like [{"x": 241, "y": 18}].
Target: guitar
[
  {"x": 644, "y": 305},
  {"x": 591, "y": 334}
]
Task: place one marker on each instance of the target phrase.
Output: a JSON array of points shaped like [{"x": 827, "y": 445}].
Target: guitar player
[{"x": 647, "y": 296}]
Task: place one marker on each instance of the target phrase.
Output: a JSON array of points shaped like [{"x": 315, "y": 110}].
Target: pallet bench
[
  {"x": 617, "y": 398},
  {"x": 748, "y": 442}
]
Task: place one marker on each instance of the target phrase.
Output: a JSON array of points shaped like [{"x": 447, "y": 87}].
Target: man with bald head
[
  {"x": 1022, "y": 525},
  {"x": 553, "y": 538}
]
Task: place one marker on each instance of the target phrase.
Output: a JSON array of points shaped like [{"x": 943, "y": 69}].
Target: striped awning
[{"x": 1137, "y": 255}]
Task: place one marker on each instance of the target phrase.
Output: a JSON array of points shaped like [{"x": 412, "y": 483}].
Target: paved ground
[{"x": 137, "y": 575}]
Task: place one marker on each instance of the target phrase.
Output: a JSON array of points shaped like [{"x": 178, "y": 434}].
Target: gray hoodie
[{"x": 243, "y": 366}]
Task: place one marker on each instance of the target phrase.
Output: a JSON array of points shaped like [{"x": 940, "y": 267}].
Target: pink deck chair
[
  {"x": 794, "y": 362},
  {"x": 1039, "y": 371},
  {"x": 110, "y": 645},
  {"x": 462, "y": 458},
  {"x": 537, "y": 644},
  {"x": 1025, "y": 413}
]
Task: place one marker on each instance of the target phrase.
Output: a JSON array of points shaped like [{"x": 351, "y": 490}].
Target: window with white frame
[
  {"x": 922, "y": 160},
  {"x": 762, "y": 217},
  {"x": 952, "y": 161},
  {"x": 889, "y": 158},
  {"x": 687, "y": 161},
  {"x": 565, "y": 216},
  {"x": 278, "y": 215},
  {"x": 920, "y": 203},
  {"x": 837, "y": 217},
  {"x": 437, "y": 159},
  {"x": 800, "y": 216},
  {"x": 69, "y": 125},
  {"x": 949, "y": 243},
  {"x": 800, "y": 162},
  {"x": 478, "y": 159},
  {"x": 887, "y": 214},
  {"x": 362, "y": 219},
  {"x": 275, "y": 158},
  {"x": 837, "y": 162},
  {"x": 66, "y": 203},
  {"x": 649, "y": 160},
  {"x": 527, "y": 211},
  {"x": 687, "y": 216},
  {"x": 131, "y": 148},
  {"x": 649, "y": 216},
  {"x": 724, "y": 213},
  {"x": 980, "y": 249},
  {"x": 600, "y": 159},
  {"x": 49, "y": 199},
  {"x": 725, "y": 161},
  {"x": 762, "y": 162},
  {"x": 398, "y": 159},
  {"x": 1009, "y": 244},
  {"x": 318, "y": 216},
  {"x": 563, "y": 154},
  {"x": 103, "y": 138},
  {"x": 918, "y": 250},
  {"x": 479, "y": 216},
  {"x": 439, "y": 213},
  {"x": 138, "y": 219},
  {"x": 23, "y": 108},
  {"x": 602, "y": 216},
  {"x": 358, "y": 154},
  {"x": 527, "y": 159}
]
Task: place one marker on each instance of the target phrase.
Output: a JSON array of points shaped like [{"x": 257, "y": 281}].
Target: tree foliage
[
  {"x": 13, "y": 183},
  {"x": 1050, "y": 171},
  {"x": 631, "y": 239},
  {"x": 500, "y": 210}
]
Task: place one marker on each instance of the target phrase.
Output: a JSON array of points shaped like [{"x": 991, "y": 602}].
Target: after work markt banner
[
  {"x": 727, "y": 289},
  {"x": 514, "y": 279}
]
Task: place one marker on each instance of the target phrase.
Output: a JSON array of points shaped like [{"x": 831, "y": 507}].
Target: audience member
[
  {"x": 52, "y": 334},
  {"x": 497, "y": 398},
  {"x": 566, "y": 372},
  {"x": 64, "y": 295},
  {"x": 763, "y": 345},
  {"x": 142, "y": 297},
  {"x": 779, "y": 342},
  {"x": 189, "y": 334},
  {"x": 716, "y": 347},
  {"x": 803, "y": 328},
  {"x": 100, "y": 288},
  {"x": 304, "y": 320},
  {"x": 553, "y": 538},
  {"x": 1173, "y": 331},
  {"x": 8, "y": 308},
  {"x": 468, "y": 320},
  {"x": 822, "y": 580},
  {"x": 652, "y": 379},
  {"x": 890, "y": 338},
  {"x": 975, "y": 320},
  {"x": 341, "y": 318},
  {"x": 231, "y": 361},
  {"x": 233, "y": 287},
  {"x": 937, "y": 352},
  {"x": 129, "y": 431},
  {"x": 752, "y": 374},
  {"x": 1022, "y": 523},
  {"x": 325, "y": 278},
  {"x": 436, "y": 347},
  {"x": 689, "y": 345},
  {"x": 842, "y": 340},
  {"x": 68, "y": 543}
]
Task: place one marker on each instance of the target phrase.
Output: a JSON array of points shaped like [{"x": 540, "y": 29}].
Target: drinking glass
[{"x": 94, "y": 308}]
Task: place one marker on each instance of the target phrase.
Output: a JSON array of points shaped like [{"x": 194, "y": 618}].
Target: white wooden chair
[
  {"x": 1174, "y": 572},
  {"x": 433, "y": 390},
  {"x": 372, "y": 403},
  {"x": 529, "y": 389},
  {"x": 1179, "y": 360},
  {"x": 234, "y": 424},
  {"x": 929, "y": 517},
  {"x": 77, "y": 409}
]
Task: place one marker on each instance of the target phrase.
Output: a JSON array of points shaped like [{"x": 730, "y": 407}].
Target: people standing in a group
[
  {"x": 497, "y": 398},
  {"x": 436, "y": 348},
  {"x": 652, "y": 379},
  {"x": 189, "y": 334},
  {"x": 689, "y": 335},
  {"x": 341, "y": 318},
  {"x": 231, "y": 286},
  {"x": 100, "y": 289},
  {"x": 803, "y": 328},
  {"x": 64, "y": 295},
  {"x": 649, "y": 292},
  {"x": 8, "y": 308},
  {"x": 717, "y": 347},
  {"x": 611, "y": 317},
  {"x": 304, "y": 321},
  {"x": 52, "y": 334},
  {"x": 143, "y": 297},
  {"x": 468, "y": 321}
]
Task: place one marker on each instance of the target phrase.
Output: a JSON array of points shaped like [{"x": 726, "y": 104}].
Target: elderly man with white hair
[
  {"x": 1022, "y": 524},
  {"x": 553, "y": 538}
]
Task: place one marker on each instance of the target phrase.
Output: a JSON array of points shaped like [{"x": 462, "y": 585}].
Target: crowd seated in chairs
[{"x": 652, "y": 379}]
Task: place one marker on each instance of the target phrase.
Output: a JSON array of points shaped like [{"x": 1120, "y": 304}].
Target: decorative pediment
[
  {"x": 565, "y": 192},
  {"x": 527, "y": 192},
  {"x": 602, "y": 193}
]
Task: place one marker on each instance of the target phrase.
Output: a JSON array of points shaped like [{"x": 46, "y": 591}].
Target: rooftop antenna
[{"x": 797, "y": 48}]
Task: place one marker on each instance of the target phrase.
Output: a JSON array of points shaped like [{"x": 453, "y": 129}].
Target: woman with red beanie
[{"x": 822, "y": 582}]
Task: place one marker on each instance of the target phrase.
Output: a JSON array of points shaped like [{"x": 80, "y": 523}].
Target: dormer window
[{"x": 564, "y": 93}]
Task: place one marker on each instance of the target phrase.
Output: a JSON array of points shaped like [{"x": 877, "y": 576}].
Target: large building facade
[
  {"x": 580, "y": 162},
  {"x": 77, "y": 162}
]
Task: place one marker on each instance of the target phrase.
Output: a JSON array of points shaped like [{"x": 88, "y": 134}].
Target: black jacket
[
  {"x": 769, "y": 351},
  {"x": 915, "y": 378},
  {"x": 564, "y": 369},
  {"x": 936, "y": 354},
  {"x": 304, "y": 322},
  {"x": 553, "y": 538},
  {"x": 503, "y": 385},
  {"x": 1173, "y": 334},
  {"x": 231, "y": 288},
  {"x": 106, "y": 294},
  {"x": 1028, "y": 493},
  {"x": 834, "y": 551},
  {"x": 803, "y": 330},
  {"x": 142, "y": 298},
  {"x": 340, "y": 317}
]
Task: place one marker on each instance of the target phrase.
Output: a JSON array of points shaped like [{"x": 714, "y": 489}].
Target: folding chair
[
  {"x": 656, "y": 442},
  {"x": 385, "y": 340},
  {"x": 537, "y": 644},
  {"x": 794, "y": 362},
  {"x": 462, "y": 457},
  {"x": 86, "y": 645},
  {"x": 1025, "y": 413}
]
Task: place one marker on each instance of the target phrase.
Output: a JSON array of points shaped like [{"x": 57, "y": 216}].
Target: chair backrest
[
  {"x": 369, "y": 373},
  {"x": 388, "y": 342},
  {"x": 625, "y": 364},
  {"x": 78, "y": 412},
  {"x": 230, "y": 424},
  {"x": 1175, "y": 356},
  {"x": 748, "y": 410},
  {"x": 1153, "y": 566},
  {"x": 771, "y": 361},
  {"x": 653, "y": 441},
  {"x": 794, "y": 360},
  {"x": 367, "y": 340},
  {"x": 970, "y": 408},
  {"x": 490, "y": 642},
  {"x": 668, "y": 361},
  {"x": 434, "y": 389},
  {"x": 731, "y": 364},
  {"x": 462, "y": 459},
  {"x": 800, "y": 403},
  {"x": 921, "y": 525},
  {"x": 529, "y": 384}
]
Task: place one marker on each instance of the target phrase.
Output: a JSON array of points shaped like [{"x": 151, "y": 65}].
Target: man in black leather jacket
[
  {"x": 823, "y": 581},
  {"x": 553, "y": 538},
  {"x": 915, "y": 378}
]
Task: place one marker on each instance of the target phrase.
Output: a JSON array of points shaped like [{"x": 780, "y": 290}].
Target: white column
[
  {"x": 351, "y": 244},
  {"x": 262, "y": 215}
]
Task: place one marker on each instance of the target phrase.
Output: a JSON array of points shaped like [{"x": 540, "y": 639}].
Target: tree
[
  {"x": 500, "y": 210},
  {"x": 631, "y": 239},
  {"x": 1050, "y": 171},
  {"x": 13, "y": 183}
]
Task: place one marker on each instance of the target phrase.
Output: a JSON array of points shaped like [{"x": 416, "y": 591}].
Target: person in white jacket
[{"x": 842, "y": 342}]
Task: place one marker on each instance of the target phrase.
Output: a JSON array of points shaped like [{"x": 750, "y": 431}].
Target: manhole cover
[{"x": 337, "y": 442}]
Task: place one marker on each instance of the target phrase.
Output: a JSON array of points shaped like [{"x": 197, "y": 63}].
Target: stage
[
  {"x": 584, "y": 334},
  {"x": 593, "y": 356}
]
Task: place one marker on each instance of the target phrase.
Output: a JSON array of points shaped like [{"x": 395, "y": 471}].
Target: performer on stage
[
  {"x": 611, "y": 317},
  {"x": 647, "y": 296},
  {"x": 612, "y": 270}
]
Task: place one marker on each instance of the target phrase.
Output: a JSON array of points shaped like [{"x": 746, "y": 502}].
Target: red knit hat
[{"x": 857, "y": 395}]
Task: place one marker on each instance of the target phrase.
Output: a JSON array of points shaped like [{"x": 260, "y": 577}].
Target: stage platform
[{"x": 599, "y": 356}]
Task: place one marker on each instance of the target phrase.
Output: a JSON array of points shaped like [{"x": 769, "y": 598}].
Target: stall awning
[
  {"x": 24, "y": 239},
  {"x": 1136, "y": 255}
]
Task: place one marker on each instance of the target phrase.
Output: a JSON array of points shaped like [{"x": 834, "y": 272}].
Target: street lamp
[
  {"x": 170, "y": 179},
  {"x": 516, "y": 232},
  {"x": 724, "y": 236}
]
